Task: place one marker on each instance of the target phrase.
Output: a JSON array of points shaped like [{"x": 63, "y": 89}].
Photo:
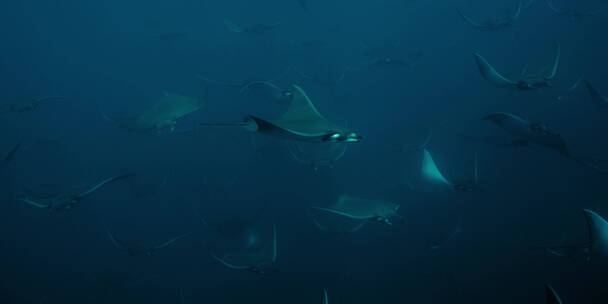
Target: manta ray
[
  {"x": 364, "y": 210},
  {"x": 161, "y": 116},
  {"x": 338, "y": 228},
  {"x": 258, "y": 262},
  {"x": 316, "y": 155},
  {"x": 66, "y": 202},
  {"x": 136, "y": 249},
  {"x": 524, "y": 132},
  {"x": 432, "y": 178},
  {"x": 596, "y": 245},
  {"x": 301, "y": 122},
  {"x": 165, "y": 113},
  {"x": 574, "y": 14},
  {"x": 255, "y": 29},
  {"x": 526, "y": 82},
  {"x": 29, "y": 106},
  {"x": 494, "y": 24},
  {"x": 599, "y": 100}
]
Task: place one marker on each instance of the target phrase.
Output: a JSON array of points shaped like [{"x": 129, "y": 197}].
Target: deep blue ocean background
[{"x": 118, "y": 57}]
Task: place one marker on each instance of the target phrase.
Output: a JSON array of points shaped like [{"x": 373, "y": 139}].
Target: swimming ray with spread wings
[
  {"x": 526, "y": 82},
  {"x": 66, "y": 202},
  {"x": 301, "y": 122}
]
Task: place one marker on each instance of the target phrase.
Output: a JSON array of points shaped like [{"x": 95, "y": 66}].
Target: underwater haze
[{"x": 303, "y": 151}]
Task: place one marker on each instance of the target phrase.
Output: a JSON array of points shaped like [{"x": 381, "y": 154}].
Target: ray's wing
[
  {"x": 357, "y": 228},
  {"x": 301, "y": 108},
  {"x": 517, "y": 12},
  {"x": 555, "y": 66},
  {"x": 554, "y": 8},
  {"x": 325, "y": 297},
  {"x": 246, "y": 88},
  {"x": 116, "y": 241},
  {"x": 490, "y": 74},
  {"x": 551, "y": 295},
  {"x": 471, "y": 21},
  {"x": 231, "y": 266},
  {"x": 274, "y": 244},
  {"x": 598, "y": 229},
  {"x": 571, "y": 89},
  {"x": 343, "y": 213},
  {"x": 11, "y": 155},
  {"x": 597, "y": 98},
  {"x": 316, "y": 222},
  {"x": 430, "y": 170},
  {"x": 103, "y": 183},
  {"x": 34, "y": 203},
  {"x": 171, "y": 241}
]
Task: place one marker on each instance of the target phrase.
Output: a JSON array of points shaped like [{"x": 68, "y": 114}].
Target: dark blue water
[{"x": 392, "y": 71}]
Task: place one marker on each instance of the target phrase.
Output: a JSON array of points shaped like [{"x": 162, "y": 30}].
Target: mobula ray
[
  {"x": 364, "y": 210},
  {"x": 66, "y": 202},
  {"x": 301, "y": 122},
  {"x": 162, "y": 116},
  {"x": 137, "y": 249},
  {"x": 526, "y": 82},
  {"x": 599, "y": 100},
  {"x": 494, "y": 24},
  {"x": 574, "y": 14},
  {"x": 524, "y": 132},
  {"x": 596, "y": 245}
]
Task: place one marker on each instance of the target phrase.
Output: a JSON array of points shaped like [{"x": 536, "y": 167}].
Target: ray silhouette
[
  {"x": 526, "y": 82},
  {"x": 574, "y": 14},
  {"x": 66, "y": 202},
  {"x": 551, "y": 296},
  {"x": 494, "y": 24},
  {"x": 362, "y": 209},
  {"x": 524, "y": 132},
  {"x": 595, "y": 246},
  {"x": 599, "y": 100},
  {"x": 162, "y": 116},
  {"x": 135, "y": 249},
  {"x": 301, "y": 122}
]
